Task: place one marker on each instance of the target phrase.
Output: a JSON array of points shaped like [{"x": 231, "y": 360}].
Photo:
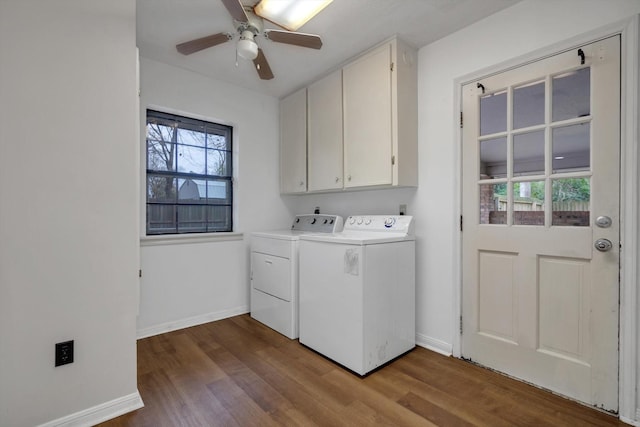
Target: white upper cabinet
[
  {"x": 360, "y": 124},
  {"x": 367, "y": 120},
  {"x": 324, "y": 102},
  {"x": 380, "y": 118},
  {"x": 293, "y": 143}
]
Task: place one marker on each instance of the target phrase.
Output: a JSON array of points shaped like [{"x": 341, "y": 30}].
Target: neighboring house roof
[{"x": 197, "y": 190}]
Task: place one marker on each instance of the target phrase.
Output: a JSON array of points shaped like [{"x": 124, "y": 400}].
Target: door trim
[{"x": 629, "y": 30}]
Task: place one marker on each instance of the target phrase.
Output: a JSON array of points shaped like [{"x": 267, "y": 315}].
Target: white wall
[
  {"x": 195, "y": 279},
  {"x": 68, "y": 206}
]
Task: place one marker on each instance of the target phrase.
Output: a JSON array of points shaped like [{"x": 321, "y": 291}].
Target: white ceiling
[{"x": 347, "y": 27}]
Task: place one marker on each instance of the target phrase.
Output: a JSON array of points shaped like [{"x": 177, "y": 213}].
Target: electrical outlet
[
  {"x": 403, "y": 209},
  {"x": 64, "y": 353}
]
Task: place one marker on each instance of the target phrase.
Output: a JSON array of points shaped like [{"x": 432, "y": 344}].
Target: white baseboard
[
  {"x": 191, "y": 321},
  {"x": 434, "y": 345},
  {"x": 635, "y": 422},
  {"x": 99, "y": 413}
]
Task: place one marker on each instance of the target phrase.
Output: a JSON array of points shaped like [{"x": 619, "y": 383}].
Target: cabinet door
[
  {"x": 293, "y": 143},
  {"x": 325, "y": 133},
  {"x": 367, "y": 120}
]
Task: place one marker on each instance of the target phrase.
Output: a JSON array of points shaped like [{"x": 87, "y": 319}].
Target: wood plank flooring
[{"x": 238, "y": 372}]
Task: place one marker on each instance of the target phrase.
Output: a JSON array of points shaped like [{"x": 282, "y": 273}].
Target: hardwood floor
[{"x": 238, "y": 372}]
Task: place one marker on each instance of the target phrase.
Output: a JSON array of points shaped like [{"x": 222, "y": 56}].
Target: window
[{"x": 189, "y": 177}]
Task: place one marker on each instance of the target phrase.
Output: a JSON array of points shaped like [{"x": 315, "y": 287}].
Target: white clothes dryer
[
  {"x": 274, "y": 271},
  {"x": 357, "y": 291}
]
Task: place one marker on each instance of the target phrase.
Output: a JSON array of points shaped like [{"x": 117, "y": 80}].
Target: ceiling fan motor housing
[{"x": 253, "y": 23}]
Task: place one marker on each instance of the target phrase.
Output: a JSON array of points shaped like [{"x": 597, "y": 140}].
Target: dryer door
[{"x": 271, "y": 275}]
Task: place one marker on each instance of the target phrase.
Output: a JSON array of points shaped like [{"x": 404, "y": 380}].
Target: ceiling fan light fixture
[
  {"x": 247, "y": 47},
  {"x": 289, "y": 14}
]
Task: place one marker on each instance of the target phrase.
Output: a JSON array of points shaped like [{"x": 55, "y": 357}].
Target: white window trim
[{"x": 189, "y": 238}]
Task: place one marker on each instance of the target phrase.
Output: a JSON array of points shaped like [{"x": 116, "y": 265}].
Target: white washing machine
[
  {"x": 274, "y": 271},
  {"x": 357, "y": 291}
]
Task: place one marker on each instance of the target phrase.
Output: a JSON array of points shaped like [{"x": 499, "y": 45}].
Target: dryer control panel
[
  {"x": 318, "y": 223},
  {"x": 393, "y": 223}
]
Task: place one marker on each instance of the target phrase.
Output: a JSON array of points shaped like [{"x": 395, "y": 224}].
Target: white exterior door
[{"x": 540, "y": 201}]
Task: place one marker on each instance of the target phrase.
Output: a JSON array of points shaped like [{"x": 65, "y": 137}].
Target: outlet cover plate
[{"x": 64, "y": 353}]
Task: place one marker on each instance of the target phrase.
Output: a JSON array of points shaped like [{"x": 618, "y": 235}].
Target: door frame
[{"x": 629, "y": 30}]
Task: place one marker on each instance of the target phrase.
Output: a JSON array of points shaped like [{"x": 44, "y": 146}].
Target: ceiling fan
[{"x": 248, "y": 26}]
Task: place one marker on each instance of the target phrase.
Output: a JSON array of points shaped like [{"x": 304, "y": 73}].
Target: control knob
[{"x": 388, "y": 222}]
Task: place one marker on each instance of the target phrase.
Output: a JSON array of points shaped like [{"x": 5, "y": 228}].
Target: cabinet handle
[
  {"x": 301, "y": 183},
  {"x": 349, "y": 177},
  {"x": 337, "y": 179}
]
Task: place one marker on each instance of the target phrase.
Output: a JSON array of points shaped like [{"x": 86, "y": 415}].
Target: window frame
[{"x": 206, "y": 213}]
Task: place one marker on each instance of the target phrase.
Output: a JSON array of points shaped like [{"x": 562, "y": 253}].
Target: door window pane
[
  {"x": 528, "y": 203},
  {"x": 493, "y": 203},
  {"x": 571, "y": 148},
  {"x": 571, "y": 95},
  {"x": 493, "y": 113},
  {"x": 571, "y": 198},
  {"x": 528, "y": 105},
  {"x": 493, "y": 158},
  {"x": 528, "y": 153}
]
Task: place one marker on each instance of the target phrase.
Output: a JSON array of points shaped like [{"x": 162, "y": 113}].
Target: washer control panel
[
  {"x": 318, "y": 223},
  {"x": 394, "y": 223}
]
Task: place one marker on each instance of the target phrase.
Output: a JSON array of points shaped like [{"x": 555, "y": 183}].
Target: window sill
[{"x": 184, "y": 239}]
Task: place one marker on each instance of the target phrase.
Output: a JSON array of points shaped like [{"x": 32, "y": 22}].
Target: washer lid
[{"x": 358, "y": 238}]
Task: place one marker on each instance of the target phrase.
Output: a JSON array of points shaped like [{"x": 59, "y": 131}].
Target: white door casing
[{"x": 539, "y": 301}]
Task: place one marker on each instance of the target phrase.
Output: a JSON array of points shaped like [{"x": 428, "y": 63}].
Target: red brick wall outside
[
  {"x": 487, "y": 203},
  {"x": 570, "y": 218}
]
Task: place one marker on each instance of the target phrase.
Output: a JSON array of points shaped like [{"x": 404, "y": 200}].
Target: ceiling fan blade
[
  {"x": 236, "y": 10},
  {"x": 187, "y": 48},
  {"x": 262, "y": 66},
  {"x": 297, "y": 39}
]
